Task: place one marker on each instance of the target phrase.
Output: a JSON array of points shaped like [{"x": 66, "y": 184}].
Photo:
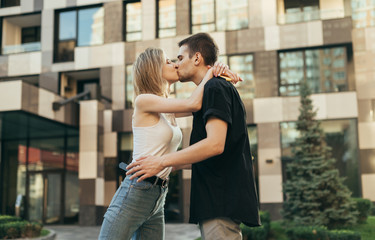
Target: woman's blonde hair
[{"x": 147, "y": 70}]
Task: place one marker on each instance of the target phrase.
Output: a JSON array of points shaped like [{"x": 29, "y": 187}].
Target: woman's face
[{"x": 169, "y": 71}]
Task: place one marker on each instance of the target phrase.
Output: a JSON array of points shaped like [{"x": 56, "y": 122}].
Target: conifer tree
[{"x": 315, "y": 193}]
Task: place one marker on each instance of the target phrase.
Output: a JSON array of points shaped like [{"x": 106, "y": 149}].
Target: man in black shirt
[{"x": 223, "y": 191}]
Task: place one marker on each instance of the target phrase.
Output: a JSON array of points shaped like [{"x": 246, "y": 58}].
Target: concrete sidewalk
[{"x": 75, "y": 232}]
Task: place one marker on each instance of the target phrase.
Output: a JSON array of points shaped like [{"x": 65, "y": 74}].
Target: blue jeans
[{"x": 136, "y": 212}]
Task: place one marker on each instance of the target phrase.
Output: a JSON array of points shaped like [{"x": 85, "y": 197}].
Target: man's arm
[{"x": 211, "y": 146}]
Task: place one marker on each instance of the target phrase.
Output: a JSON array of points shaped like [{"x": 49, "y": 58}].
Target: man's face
[{"x": 185, "y": 65}]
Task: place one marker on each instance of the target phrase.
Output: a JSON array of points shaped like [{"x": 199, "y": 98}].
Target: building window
[
  {"x": 341, "y": 136},
  {"x": 243, "y": 65},
  {"x": 80, "y": 27},
  {"x": 166, "y": 18},
  {"x": 325, "y": 70},
  {"x": 9, "y": 3},
  {"x": 133, "y": 20},
  {"x": 129, "y": 88},
  {"x": 293, "y": 11},
  {"x": 21, "y": 34},
  {"x": 219, "y": 15},
  {"x": 363, "y": 13}
]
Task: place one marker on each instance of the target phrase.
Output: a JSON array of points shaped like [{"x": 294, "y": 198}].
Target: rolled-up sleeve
[{"x": 216, "y": 103}]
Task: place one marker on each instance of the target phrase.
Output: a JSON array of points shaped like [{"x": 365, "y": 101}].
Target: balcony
[
  {"x": 26, "y": 47},
  {"x": 306, "y": 16}
]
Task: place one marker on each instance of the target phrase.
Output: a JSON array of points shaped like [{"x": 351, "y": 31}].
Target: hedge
[
  {"x": 12, "y": 227},
  {"x": 363, "y": 206},
  {"x": 257, "y": 233},
  {"x": 320, "y": 233}
]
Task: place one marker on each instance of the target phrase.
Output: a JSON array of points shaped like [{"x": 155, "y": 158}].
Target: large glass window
[
  {"x": 301, "y": 10},
  {"x": 253, "y": 138},
  {"x": 129, "y": 87},
  {"x": 243, "y": 65},
  {"x": 363, "y": 13},
  {"x": 9, "y": 3},
  {"x": 133, "y": 20},
  {"x": 219, "y": 15},
  {"x": 325, "y": 70},
  {"x": 80, "y": 27},
  {"x": 166, "y": 18},
  {"x": 341, "y": 136}
]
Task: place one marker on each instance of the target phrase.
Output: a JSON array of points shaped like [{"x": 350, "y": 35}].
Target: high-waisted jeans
[{"x": 136, "y": 212}]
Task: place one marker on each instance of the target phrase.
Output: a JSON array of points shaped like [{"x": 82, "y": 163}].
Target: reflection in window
[
  {"x": 81, "y": 27},
  {"x": 341, "y": 136},
  {"x": 166, "y": 18},
  {"x": 363, "y": 13},
  {"x": 323, "y": 69},
  {"x": 301, "y": 10},
  {"x": 129, "y": 87},
  {"x": 243, "y": 65},
  {"x": 219, "y": 15},
  {"x": 133, "y": 20},
  {"x": 253, "y": 138}
]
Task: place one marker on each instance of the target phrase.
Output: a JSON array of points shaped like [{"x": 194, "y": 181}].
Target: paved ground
[{"x": 72, "y": 232}]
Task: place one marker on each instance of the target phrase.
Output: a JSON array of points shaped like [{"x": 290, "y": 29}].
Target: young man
[{"x": 223, "y": 192}]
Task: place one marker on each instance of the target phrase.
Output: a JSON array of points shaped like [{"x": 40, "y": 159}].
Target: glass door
[{"x": 44, "y": 203}]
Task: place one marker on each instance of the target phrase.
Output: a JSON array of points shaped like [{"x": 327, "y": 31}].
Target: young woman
[{"x": 137, "y": 209}]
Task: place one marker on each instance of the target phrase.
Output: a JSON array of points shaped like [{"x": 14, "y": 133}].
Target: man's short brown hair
[{"x": 204, "y": 44}]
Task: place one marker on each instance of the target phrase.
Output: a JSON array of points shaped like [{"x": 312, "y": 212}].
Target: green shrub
[
  {"x": 343, "y": 235},
  {"x": 19, "y": 228},
  {"x": 258, "y": 233},
  {"x": 363, "y": 206},
  {"x": 307, "y": 233},
  {"x": 6, "y": 218}
]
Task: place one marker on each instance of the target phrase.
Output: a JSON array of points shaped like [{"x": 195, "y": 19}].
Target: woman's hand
[{"x": 221, "y": 69}]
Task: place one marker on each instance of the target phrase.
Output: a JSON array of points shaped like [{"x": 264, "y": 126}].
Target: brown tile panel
[
  {"x": 127, "y": 120},
  {"x": 268, "y": 135},
  {"x": 110, "y": 169},
  {"x": 249, "y": 111},
  {"x": 71, "y": 114},
  {"x": 71, "y": 3},
  {"x": 100, "y": 165},
  {"x": 266, "y": 74},
  {"x": 293, "y": 35},
  {"x": 90, "y": 215},
  {"x": 49, "y": 81},
  {"x": 274, "y": 210},
  {"x": 106, "y": 82},
  {"x": 129, "y": 52},
  {"x": 186, "y": 184},
  {"x": 3, "y": 66},
  {"x": 245, "y": 41},
  {"x": 38, "y": 5},
  {"x": 47, "y": 58},
  {"x": 117, "y": 120},
  {"x": 364, "y": 110},
  {"x": 113, "y": 20},
  {"x": 231, "y": 42},
  {"x": 87, "y": 193},
  {"x": 183, "y": 17},
  {"x": 367, "y": 161},
  {"x": 30, "y": 98},
  {"x": 337, "y": 31}
]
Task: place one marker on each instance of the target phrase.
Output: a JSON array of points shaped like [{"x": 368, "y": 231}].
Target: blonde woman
[{"x": 137, "y": 209}]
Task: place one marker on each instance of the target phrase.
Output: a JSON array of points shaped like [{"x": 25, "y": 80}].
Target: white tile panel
[
  {"x": 10, "y": 95},
  {"x": 10, "y": 11},
  {"x": 118, "y": 53},
  {"x": 290, "y": 108},
  {"x": 82, "y": 57},
  {"x": 268, "y": 110},
  {"x": 366, "y": 135},
  {"x": 54, "y": 4},
  {"x": 24, "y": 64},
  {"x": 370, "y": 38},
  {"x": 88, "y": 163},
  {"x": 272, "y": 38},
  {"x": 88, "y": 138},
  {"x": 219, "y": 38},
  {"x": 315, "y": 33},
  {"x": 107, "y": 126},
  {"x": 148, "y": 19},
  {"x": 110, "y": 144},
  {"x": 88, "y": 113},
  {"x": 365, "y": 84},
  {"x": 27, "y": 5},
  {"x": 62, "y": 67},
  {"x": 342, "y": 105},
  {"x": 269, "y": 9},
  {"x": 273, "y": 168},
  {"x": 99, "y": 192},
  {"x": 186, "y": 174},
  {"x": 270, "y": 189},
  {"x": 320, "y": 103},
  {"x": 368, "y": 186}
]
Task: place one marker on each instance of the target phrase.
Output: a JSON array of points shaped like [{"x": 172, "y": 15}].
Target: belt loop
[{"x": 156, "y": 181}]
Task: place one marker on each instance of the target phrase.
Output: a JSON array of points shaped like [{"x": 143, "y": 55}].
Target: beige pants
[{"x": 220, "y": 229}]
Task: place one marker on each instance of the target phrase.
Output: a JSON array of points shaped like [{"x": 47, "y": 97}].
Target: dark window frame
[
  {"x": 157, "y": 20},
  {"x": 16, "y": 5},
  {"x": 56, "y": 40},
  {"x": 36, "y": 34},
  {"x": 124, "y": 30}
]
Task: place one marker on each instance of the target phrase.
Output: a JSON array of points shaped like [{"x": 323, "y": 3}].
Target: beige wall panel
[
  {"x": 368, "y": 187},
  {"x": 255, "y": 18},
  {"x": 48, "y": 4},
  {"x": 219, "y": 38},
  {"x": 364, "y": 61},
  {"x": 27, "y": 5},
  {"x": 291, "y": 108},
  {"x": 46, "y": 99},
  {"x": 315, "y": 33},
  {"x": 88, "y": 113},
  {"x": 272, "y": 38},
  {"x": 99, "y": 192},
  {"x": 148, "y": 19},
  {"x": 250, "y": 40},
  {"x": 185, "y": 122},
  {"x": 331, "y": 9},
  {"x": 319, "y": 102},
  {"x": 143, "y": 45},
  {"x": 365, "y": 112},
  {"x": 268, "y": 110},
  {"x": 63, "y": 67},
  {"x": 186, "y": 174},
  {"x": 359, "y": 39},
  {"x": 88, "y": 138},
  {"x": 365, "y": 84},
  {"x": 109, "y": 191},
  {"x": 370, "y": 38},
  {"x": 10, "y": 95},
  {"x": 270, "y": 189},
  {"x": 269, "y": 10},
  {"x": 268, "y": 135},
  {"x": 110, "y": 144},
  {"x": 59, "y": 114},
  {"x": 118, "y": 87},
  {"x": 366, "y": 135},
  {"x": 25, "y": 64},
  {"x": 273, "y": 168},
  {"x": 10, "y": 11},
  {"x": 88, "y": 165},
  {"x": 82, "y": 57},
  {"x": 293, "y": 35},
  {"x": 169, "y": 45},
  {"x": 107, "y": 118},
  {"x": 342, "y": 105}
]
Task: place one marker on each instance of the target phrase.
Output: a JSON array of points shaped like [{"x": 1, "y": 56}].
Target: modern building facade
[{"x": 58, "y": 158}]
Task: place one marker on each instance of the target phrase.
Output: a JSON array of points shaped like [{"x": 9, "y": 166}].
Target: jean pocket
[{"x": 141, "y": 185}]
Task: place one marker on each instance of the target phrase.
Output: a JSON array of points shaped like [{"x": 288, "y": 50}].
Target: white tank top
[{"x": 156, "y": 140}]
